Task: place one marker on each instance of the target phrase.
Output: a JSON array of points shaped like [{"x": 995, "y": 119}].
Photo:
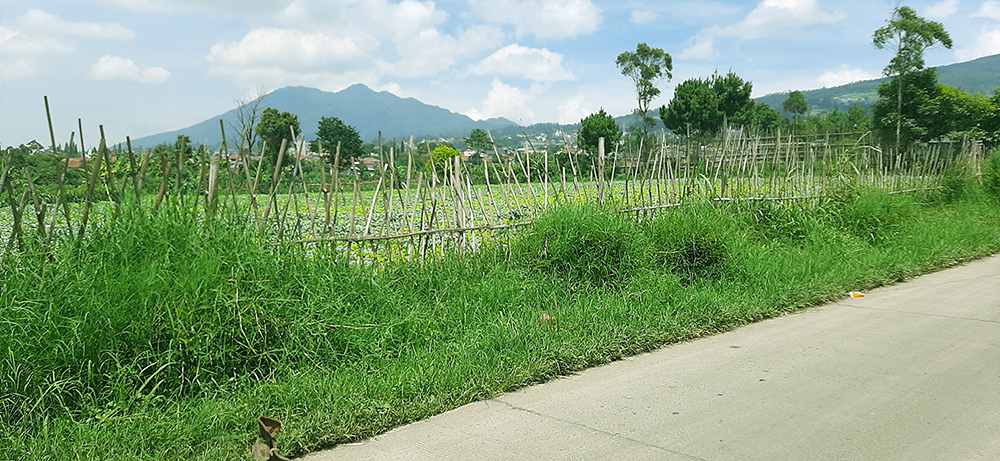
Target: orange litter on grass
[{"x": 857, "y": 294}]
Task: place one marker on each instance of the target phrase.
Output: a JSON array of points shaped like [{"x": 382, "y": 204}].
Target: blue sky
[{"x": 140, "y": 67}]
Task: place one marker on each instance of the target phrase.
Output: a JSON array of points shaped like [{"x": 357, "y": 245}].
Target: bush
[
  {"x": 689, "y": 242},
  {"x": 876, "y": 215},
  {"x": 991, "y": 174},
  {"x": 585, "y": 243}
]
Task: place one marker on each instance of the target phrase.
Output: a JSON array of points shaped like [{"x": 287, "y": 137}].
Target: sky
[{"x": 141, "y": 67}]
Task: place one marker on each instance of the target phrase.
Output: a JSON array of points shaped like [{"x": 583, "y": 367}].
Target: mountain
[
  {"x": 368, "y": 111},
  {"x": 980, "y": 75}
]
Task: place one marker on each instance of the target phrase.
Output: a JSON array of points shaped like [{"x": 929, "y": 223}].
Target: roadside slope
[{"x": 907, "y": 372}]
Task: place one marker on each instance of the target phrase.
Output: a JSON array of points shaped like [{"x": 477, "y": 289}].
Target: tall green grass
[{"x": 159, "y": 338}]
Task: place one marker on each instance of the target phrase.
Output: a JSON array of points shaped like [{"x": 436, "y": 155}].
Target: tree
[
  {"x": 762, "y": 117},
  {"x": 907, "y": 36},
  {"x": 479, "y": 141},
  {"x": 646, "y": 67},
  {"x": 272, "y": 128},
  {"x": 795, "y": 103},
  {"x": 595, "y": 126},
  {"x": 733, "y": 94},
  {"x": 695, "y": 106},
  {"x": 442, "y": 154},
  {"x": 857, "y": 118},
  {"x": 331, "y": 130},
  {"x": 906, "y": 123},
  {"x": 247, "y": 114}
]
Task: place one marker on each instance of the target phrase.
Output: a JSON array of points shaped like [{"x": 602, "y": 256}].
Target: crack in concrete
[
  {"x": 599, "y": 431},
  {"x": 925, "y": 314}
]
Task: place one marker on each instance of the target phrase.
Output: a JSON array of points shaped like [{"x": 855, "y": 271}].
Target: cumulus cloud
[
  {"x": 270, "y": 45},
  {"x": 943, "y": 10},
  {"x": 990, "y": 9},
  {"x": 987, "y": 44},
  {"x": 13, "y": 41},
  {"x": 506, "y": 101},
  {"x": 843, "y": 75},
  {"x": 573, "y": 110},
  {"x": 18, "y": 67},
  {"x": 116, "y": 68},
  {"x": 541, "y": 18},
  {"x": 643, "y": 16},
  {"x": 39, "y": 20},
  {"x": 771, "y": 18},
  {"x": 429, "y": 52},
  {"x": 703, "y": 47},
  {"x": 540, "y": 65}
]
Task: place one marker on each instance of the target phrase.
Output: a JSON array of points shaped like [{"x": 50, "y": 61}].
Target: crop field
[{"x": 410, "y": 212}]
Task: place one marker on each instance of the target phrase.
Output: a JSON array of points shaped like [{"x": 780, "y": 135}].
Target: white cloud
[
  {"x": 540, "y": 65},
  {"x": 430, "y": 52},
  {"x": 703, "y": 47},
  {"x": 573, "y": 110},
  {"x": 843, "y": 75},
  {"x": 990, "y": 9},
  {"x": 643, "y": 16},
  {"x": 18, "y": 68},
  {"x": 771, "y": 18},
  {"x": 987, "y": 44},
  {"x": 120, "y": 69},
  {"x": 48, "y": 23},
  {"x": 506, "y": 101},
  {"x": 291, "y": 47},
  {"x": 542, "y": 18},
  {"x": 13, "y": 41},
  {"x": 943, "y": 10}
]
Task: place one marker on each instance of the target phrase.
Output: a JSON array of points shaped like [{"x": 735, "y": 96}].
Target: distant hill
[
  {"x": 980, "y": 75},
  {"x": 357, "y": 105}
]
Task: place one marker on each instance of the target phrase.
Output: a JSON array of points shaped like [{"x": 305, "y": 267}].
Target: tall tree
[
  {"x": 598, "y": 125},
  {"x": 247, "y": 115},
  {"x": 907, "y": 36},
  {"x": 273, "y": 127},
  {"x": 795, "y": 103},
  {"x": 647, "y": 67},
  {"x": 908, "y": 122},
  {"x": 332, "y": 130},
  {"x": 479, "y": 141},
  {"x": 733, "y": 94},
  {"x": 695, "y": 106}
]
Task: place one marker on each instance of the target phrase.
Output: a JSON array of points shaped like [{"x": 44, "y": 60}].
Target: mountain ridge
[
  {"x": 357, "y": 105},
  {"x": 978, "y": 75}
]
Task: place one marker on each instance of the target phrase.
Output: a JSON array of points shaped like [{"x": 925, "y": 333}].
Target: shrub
[
  {"x": 583, "y": 242},
  {"x": 689, "y": 242},
  {"x": 991, "y": 174},
  {"x": 876, "y": 215}
]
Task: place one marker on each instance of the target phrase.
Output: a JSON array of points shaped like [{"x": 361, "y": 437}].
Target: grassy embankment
[{"x": 156, "y": 340}]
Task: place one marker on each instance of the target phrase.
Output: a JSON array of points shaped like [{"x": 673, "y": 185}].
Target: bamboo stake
[
  {"x": 165, "y": 167},
  {"x": 60, "y": 174},
  {"x": 83, "y": 148},
  {"x": 94, "y": 177},
  {"x": 38, "y": 205},
  {"x": 600, "y": 173},
  {"x": 335, "y": 179},
  {"x": 274, "y": 184}
]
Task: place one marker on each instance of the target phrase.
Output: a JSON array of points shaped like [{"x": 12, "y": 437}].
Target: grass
[{"x": 156, "y": 339}]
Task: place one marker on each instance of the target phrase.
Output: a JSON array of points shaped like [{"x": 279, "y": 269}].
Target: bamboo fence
[{"x": 418, "y": 213}]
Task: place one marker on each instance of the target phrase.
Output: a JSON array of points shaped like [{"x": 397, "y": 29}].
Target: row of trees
[{"x": 912, "y": 107}]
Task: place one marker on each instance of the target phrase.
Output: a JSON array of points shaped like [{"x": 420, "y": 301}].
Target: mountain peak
[{"x": 370, "y": 112}]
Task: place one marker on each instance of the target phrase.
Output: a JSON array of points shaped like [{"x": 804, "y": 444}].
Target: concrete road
[{"x": 910, "y": 371}]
